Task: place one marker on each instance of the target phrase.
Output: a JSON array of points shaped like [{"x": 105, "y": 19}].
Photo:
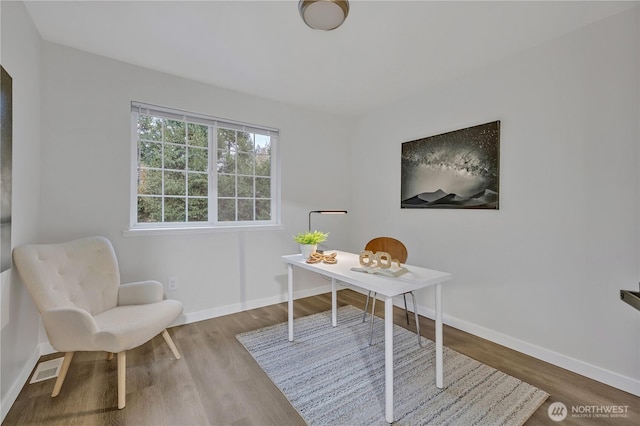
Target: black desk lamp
[{"x": 325, "y": 212}]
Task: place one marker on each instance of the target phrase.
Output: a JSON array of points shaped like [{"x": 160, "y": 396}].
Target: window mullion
[
  {"x": 235, "y": 172},
  {"x": 213, "y": 174},
  {"x": 162, "y": 174},
  {"x": 186, "y": 170}
]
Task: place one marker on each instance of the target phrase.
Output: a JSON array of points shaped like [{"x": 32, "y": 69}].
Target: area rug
[{"x": 333, "y": 377}]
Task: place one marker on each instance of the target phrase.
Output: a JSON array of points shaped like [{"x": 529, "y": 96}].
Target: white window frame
[{"x": 212, "y": 224}]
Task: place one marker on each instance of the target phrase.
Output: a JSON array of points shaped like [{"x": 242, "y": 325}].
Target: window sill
[{"x": 138, "y": 232}]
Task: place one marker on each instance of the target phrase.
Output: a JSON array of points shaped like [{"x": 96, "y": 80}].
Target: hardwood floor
[{"x": 218, "y": 383}]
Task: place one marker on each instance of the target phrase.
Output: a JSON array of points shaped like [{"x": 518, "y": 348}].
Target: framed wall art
[
  {"x": 454, "y": 170},
  {"x": 6, "y": 118}
]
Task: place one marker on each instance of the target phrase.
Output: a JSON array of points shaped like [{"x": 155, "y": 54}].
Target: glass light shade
[{"x": 323, "y": 15}]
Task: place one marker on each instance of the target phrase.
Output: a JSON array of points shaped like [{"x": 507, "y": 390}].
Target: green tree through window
[{"x": 201, "y": 171}]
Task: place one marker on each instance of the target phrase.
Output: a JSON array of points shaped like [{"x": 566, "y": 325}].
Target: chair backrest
[
  {"x": 81, "y": 273},
  {"x": 394, "y": 247}
]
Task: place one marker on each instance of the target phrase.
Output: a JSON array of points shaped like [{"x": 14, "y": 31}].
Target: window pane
[
  {"x": 245, "y": 209},
  {"x": 226, "y": 186},
  {"x": 149, "y": 209},
  {"x": 198, "y": 135},
  {"x": 226, "y": 210},
  {"x": 174, "y": 183},
  {"x": 198, "y": 184},
  {"x": 175, "y": 209},
  {"x": 263, "y": 187},
  {"x": 263, "y": 144},
  {"x": 198, "y": 159},
  {"x": 226, "y": 162},
  {"x": 227, "y": 140},
  {"x": 149, "y": 182},
  {"x": 263, "y": 165},
  {"x": 263, "y": 209},
  {"x": 245, "y": 164},
  {"x": 150, "y": 128},
  {"x": 175, "y": 157},
  {"x": 245, "y": 142},
  {"x": 150, "y": 154},
  {"x": 174, "y": 131},
  {"x": 245, "y": 186},
  {"x": 198, "y": 209}
]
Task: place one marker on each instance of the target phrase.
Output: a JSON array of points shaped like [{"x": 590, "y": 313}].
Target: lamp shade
[
  {"x": 323, "y": 15},
  {"x": 325, "y": 212}
]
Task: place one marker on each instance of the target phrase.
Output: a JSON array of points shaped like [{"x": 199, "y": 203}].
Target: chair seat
[{"x": 126, "y": 327}]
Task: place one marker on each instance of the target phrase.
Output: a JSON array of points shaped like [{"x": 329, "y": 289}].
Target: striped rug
[{"x": 333, "y": 377}]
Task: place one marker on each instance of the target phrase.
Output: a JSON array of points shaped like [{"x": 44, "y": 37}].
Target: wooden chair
[{"x": 398, "y": 251}]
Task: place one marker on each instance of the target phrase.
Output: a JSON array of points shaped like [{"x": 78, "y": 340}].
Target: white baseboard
[
  {"x": 577, "y": 366},
  {"x": 245, "y": 306}
]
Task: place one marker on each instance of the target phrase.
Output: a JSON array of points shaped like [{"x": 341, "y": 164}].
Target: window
[{"x": 192, "y": 170}]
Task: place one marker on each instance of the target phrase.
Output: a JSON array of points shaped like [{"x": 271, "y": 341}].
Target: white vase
[{"x": 307, "y": 249}]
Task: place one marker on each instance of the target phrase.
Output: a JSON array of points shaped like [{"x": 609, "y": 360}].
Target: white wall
[
  {"x": 543, "y": 273},
  {"x": 19, "y": 338},
  {"x": 85, "y": 179}
]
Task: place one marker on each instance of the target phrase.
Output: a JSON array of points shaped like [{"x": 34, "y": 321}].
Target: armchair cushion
[{"x": 126, "y": 327}]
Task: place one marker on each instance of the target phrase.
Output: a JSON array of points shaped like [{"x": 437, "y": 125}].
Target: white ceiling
[{"x": 386, "y": 50}]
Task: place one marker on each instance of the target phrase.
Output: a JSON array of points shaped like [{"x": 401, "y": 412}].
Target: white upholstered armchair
[{"x": 76, "y": 287}]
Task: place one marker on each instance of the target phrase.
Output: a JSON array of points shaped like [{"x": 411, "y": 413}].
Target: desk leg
[
  {"x": 334, "y": 303},
  {"x": 439, "y": 359},
  {"x": 290, "y": 304},
  {"x": 388, "y": 358}
]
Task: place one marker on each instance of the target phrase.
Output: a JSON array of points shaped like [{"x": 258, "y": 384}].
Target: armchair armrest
[
  {"x": 69, "y": 329},
  {"x": 140, "y": 293}
]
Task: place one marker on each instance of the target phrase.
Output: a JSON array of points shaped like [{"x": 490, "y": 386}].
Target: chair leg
[
  {"x": 68, "y": 356},
  {"x": 169, "y": 341},
  {"x": 415, "y": 312},
  {"x": 109, "y": 356},
  {"x": 406, "y": 311},
  {"x": 373, "y": 309},
  {"x": 366, "y": 307},
  {"x": 122, "y": 374}
]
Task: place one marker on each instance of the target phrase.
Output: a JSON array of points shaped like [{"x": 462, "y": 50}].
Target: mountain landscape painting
[{"x": 455, "y": 170}]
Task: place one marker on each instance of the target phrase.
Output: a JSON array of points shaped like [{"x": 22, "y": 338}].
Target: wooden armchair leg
[
  {"x": 109, "y": 356},
  {"x": 167, "y": 339},
  {"x": 122, "y": 374},
  {"x": 68, "y": 356}
]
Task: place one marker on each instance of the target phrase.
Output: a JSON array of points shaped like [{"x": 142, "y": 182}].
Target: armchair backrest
[{"x": 81, "y": 273}]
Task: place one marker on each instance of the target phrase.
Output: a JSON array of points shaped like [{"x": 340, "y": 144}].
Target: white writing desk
[{"x": 385, "y": 287}]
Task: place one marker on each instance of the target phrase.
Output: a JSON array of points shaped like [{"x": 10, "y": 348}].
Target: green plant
[{"x": 314, "y": 237}]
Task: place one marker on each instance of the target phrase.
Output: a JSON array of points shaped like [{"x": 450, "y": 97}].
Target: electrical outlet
[{"x": 173, "y": 283}]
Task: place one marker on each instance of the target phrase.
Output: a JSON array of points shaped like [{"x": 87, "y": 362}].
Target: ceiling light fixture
[{"x": 323, "y": 15}]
